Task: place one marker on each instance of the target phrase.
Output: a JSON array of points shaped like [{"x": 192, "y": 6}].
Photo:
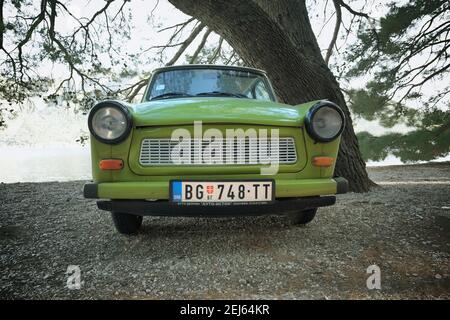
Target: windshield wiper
[
  {"x": 171, "y": 94},
  {"x": 220, "y": 93}
]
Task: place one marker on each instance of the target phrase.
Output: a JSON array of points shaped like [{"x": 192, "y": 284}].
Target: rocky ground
[{"x": 403, "y": 227}]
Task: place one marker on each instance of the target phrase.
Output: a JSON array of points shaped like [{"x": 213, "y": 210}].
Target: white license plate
[{"x": 222, "y": 192}]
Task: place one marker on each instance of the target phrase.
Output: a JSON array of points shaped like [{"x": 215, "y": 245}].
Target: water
[
  {"x": 41, "y": 146},
  {"x": 44, "y": 163}
]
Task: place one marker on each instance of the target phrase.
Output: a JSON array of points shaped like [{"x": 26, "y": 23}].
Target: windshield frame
[{"x": 260, "y": 73}]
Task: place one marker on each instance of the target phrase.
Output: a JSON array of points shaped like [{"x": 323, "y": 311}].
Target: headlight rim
[
  {"x": 119, "y": 106},
  {"x": 309, "y": 117}
]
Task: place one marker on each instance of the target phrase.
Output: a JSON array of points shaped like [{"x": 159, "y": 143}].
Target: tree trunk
[{"x": 276, "y": 36}]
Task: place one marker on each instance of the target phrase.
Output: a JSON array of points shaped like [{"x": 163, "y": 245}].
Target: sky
[
  {"x": 148, "y": 18},
  {"x": 48, "y": 132}
]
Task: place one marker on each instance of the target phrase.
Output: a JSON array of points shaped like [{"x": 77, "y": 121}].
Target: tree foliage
[
  {"x": 273, "y": 36},
  {"x": 429, "y": 141},
  {"x": 33, "y": 34},
  {"x": 406, "y": 57},
  {"x": 408, "y": 50},
  {"x": 403, "y": 54},
  {"x": 31, "y": 37}
]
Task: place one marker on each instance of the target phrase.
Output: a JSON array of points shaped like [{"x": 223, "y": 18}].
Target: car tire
[
  {"x": 126, "y": 223},
  {"x": 302, "y": 217}
]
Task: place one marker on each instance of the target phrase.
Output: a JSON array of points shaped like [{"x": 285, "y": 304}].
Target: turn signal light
[
  {"x": 111, "y": 164},
  {"x": 323, "y": 161}
]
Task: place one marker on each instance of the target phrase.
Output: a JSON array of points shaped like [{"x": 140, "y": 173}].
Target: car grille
[{"x": 246, "y": 152}]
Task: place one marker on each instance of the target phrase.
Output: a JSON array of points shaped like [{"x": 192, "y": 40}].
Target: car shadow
[
  {"x": 193, "y": 237},
  {"x": 163, "y": 227}
]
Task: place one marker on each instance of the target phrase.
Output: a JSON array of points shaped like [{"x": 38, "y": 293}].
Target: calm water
[
  {"x": 39, "y": 163},
  {"x": 61, "y": 163},
  {"x": 40, "y": 146}
]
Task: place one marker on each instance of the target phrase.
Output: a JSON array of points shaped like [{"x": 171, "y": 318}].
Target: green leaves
[
  {"x": 429, "y": 141},
  {"x": 405, "y": 54},
  {"x": 408, "y": 49}
]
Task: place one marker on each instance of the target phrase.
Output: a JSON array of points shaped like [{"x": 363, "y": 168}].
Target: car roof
[{"x": 210, "y": 66}]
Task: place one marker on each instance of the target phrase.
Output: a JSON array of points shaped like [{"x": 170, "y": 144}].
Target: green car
[{"x": 211, "y": 140}]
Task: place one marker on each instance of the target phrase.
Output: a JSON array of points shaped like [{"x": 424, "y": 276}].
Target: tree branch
[
  {"x": 352, "y": 11},
  {"x": 186, "y": 44},
  {"x": 335, "y": 32},
  {"x": 182, "y": 24},
  {"x": 137, "y": 87},
  {"x": 216, "y": 52},
  {"x": 200, "y": 46}
]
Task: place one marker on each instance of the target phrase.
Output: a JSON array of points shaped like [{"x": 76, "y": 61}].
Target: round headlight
[
  {"x": 110, "y": 122},
  {"x": 325, "y": 121}
]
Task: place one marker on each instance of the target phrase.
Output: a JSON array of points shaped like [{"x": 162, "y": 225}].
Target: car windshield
[{"x": 209, "y": 82}]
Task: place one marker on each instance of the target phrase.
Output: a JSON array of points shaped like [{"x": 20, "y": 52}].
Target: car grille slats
[{"x": 156, "y": 152}]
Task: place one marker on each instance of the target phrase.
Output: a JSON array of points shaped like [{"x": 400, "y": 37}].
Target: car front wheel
[
  {"x": 302, "y": 217},
  {"x": 126, "y": 223}
]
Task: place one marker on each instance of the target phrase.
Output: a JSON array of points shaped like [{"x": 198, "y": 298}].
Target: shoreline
[{"x": 370, "y": 169}]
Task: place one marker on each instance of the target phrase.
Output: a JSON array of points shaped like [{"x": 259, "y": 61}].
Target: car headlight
[
  {"x": 325, "y": 121},
  {"x": 110, "y": 122}
]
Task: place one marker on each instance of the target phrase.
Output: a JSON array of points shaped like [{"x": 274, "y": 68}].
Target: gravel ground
[{"x": 402, "y": 227}]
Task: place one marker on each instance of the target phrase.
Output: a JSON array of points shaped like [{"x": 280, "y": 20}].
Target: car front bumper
[
  {"x": 291, "y": 195},
  {"x": 166, "y": 208},
  {"x": 159, "y": 190}
]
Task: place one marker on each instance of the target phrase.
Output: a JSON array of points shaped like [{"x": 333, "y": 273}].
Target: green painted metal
[
  {"x": 160, "y": 189},
  {"x": 184, "y": 111},
  {"x": 159, "y": 118},
  {"x": 165, "y": 132}
]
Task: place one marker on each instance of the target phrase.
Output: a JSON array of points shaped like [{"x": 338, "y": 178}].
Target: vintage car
[{"x": 211, "y": 140}]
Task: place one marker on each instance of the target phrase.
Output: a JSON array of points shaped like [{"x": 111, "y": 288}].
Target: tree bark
[{"x": 276, "y": 36}]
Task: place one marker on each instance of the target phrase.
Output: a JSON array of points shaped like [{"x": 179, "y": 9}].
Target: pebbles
[{"x": 46, "y": 227}]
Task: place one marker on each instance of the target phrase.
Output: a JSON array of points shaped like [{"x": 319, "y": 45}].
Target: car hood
[{"x": 184, "y": 111}]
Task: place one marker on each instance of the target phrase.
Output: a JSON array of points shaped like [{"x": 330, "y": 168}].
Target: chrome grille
[{"x": 246, "y": 152}]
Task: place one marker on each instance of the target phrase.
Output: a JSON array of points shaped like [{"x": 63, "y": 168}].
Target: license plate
[{"x": 222, "y": 192}]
